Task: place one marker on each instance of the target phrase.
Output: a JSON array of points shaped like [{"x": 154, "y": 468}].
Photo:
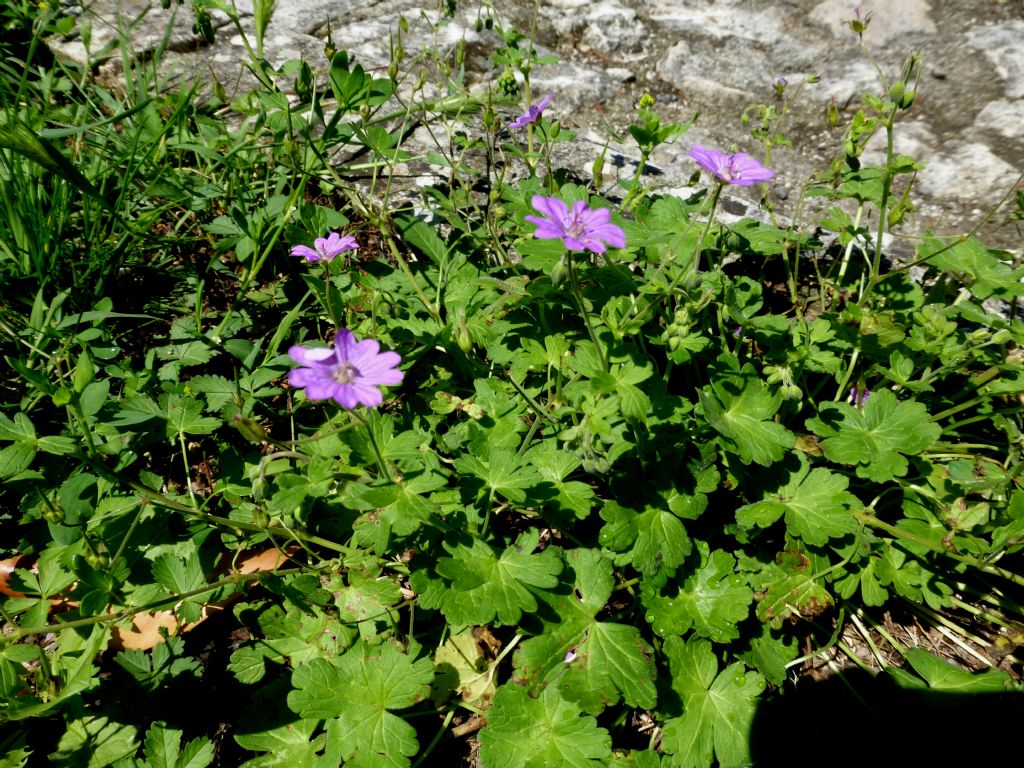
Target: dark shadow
[{"x": 855, "y": 719}]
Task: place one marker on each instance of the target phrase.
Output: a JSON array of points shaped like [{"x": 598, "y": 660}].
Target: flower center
[
  {"x": 576, "y": 229},
  {"x": 731, "y": 171},
  {"x": 345, "y": 373}
]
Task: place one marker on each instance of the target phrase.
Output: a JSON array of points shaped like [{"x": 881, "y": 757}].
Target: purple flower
[
  {"x": 531, "y": 114},
  {"x": 859, "y": 397},
  {"x": 581, "y": 229},
  {"x": 326, "y": 247},
  {"x": 739, "y": 169},
  {"x": 349, "y": 374}
]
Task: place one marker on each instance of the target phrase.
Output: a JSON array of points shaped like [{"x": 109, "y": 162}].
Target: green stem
[
  {"x": 868, "y": 519},
  {"x": 960, "y": 407},
  {"x": 188, "y": 476},
  {"x": 404, "y": 266},
  {"x": 381, "y": 463},
  {"x": 847, "y": 254},
  {"x": 876, "y": 261},
  {"x": 577, "y": 294},
  {"x": 154, "y": 496},
  {"x": 715, "y": 193},
  {"x": 846, "y": 376},
  {"x": 250, "y": 274},
  {"x": 234, "y": 578},
  {"x": 636, "y": 187}
]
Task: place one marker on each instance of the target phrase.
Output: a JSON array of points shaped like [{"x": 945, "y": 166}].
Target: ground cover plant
[{"x": 532, "y": 469}]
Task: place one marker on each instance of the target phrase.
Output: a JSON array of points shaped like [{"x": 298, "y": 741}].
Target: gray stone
[
  {"x": 1003, "y": 45},
  {"x": 890, "y": 22},
  {"x": 1003, "y": 117},
  {"x": 715, "y": 57}
]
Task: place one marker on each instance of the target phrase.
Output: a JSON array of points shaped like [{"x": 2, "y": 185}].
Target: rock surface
[{"x": 706, "y": 56}]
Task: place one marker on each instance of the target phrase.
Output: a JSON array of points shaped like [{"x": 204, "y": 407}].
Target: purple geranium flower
[
  {"x": 859, "y": 397},
  {"x": 581, "y": 229},
  {"x": 531, "y": 114},
  {"x": 349, "y": 374},
  {"x": 326, "y": 248},
  {"x": 739, "y": 169}
]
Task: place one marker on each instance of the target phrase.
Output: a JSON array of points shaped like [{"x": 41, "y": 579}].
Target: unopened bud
[
  {"x": 251, "y": 429},
  {"x": 790, "y": 391},
  {"x": 597, "y": 171},
  {"x": 53, "y": 514},
  {"x": 462, "y": 337},
  {"x": 832, "y": 113},
  {"x": 560, "y": 271},
  {"x": 908, "y": 99},
  {"x": 507, "y": 84},
  {"x": 896, "y": 92},
  {"x": 304, "y": 83},
  {"x": 203, "y": 24},
  {"x": 98, "y": 560}
]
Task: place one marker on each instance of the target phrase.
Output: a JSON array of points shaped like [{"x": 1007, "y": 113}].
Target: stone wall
[{"x": 715, "y": 58}]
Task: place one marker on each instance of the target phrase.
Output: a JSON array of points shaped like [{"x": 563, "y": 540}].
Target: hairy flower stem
[
  {"x": 151, "y": 495},
  {"x": 188, "y": 471},
  {"x": 381, "y": 463},
  {"x": 883, "y": 213},
  {"x": 385, "y": 230},
  {"x": 577, "y": 294},
  {"x": 841, "y": 391},
  {"x": 846, "y": 256},
  {"x": 164, "y": 602},
  {"x": 867, "y": 518},
  {"x": 715, "y": 193},
  {"x": 636, "y": 187},
  {"x": 250, "y": 274}
]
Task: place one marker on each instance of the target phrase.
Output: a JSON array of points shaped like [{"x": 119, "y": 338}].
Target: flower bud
[
  {"x": 203, "y": 24},
  {"x": 53, "y": 514},
  {"x": 908, "y": 99},
  {"x": 896, "y": 92},
  {"x": 832, "y": 113},
  {"x": 560, "y": 271},
  {"x": 304, "y": 83},
  {"x": 507, "y": 84},
  {"x": 790, "y": 391},
  {"x": 251, "y": 429},
  {"x": 597, "y": 171},
  {"x": 462, "y": 337}
]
